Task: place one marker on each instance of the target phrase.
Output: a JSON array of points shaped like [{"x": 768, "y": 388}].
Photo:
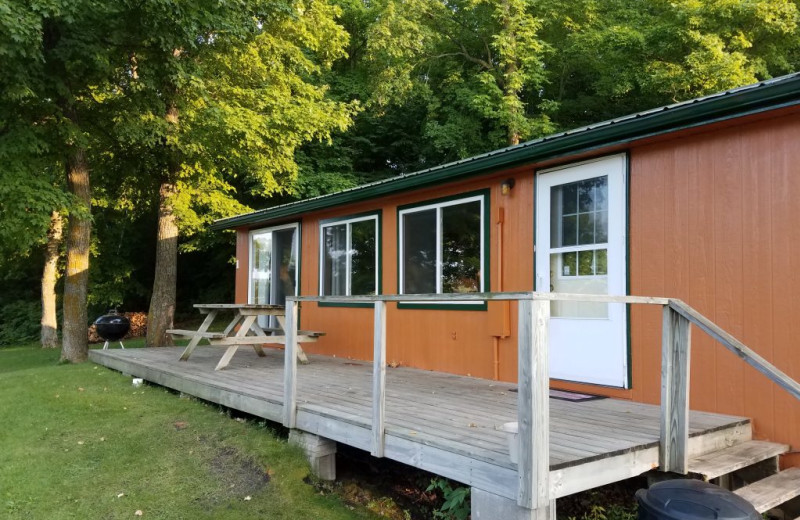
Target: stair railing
[{"x": 533, "y": 409}]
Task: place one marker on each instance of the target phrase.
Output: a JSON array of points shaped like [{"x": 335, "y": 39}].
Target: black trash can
[{"x": 692, "y": 500}]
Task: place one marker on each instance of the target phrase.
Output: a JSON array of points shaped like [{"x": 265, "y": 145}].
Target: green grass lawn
[{"x": 78, "y": 441}]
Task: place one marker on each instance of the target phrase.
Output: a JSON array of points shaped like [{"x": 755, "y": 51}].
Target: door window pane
[
  {"x": 579, "y": 218},
  {"x": 334, "y": 268},
  {"x": 419, "y": 252},
  {"x": 363, "y": 258},
  {"x": 585, "y": 263},
  {"x": 285, "y": 268},
  {"x": 261, "y": 270},
  {"x": 579, "y": 213},
  {"x": 461, "y": 248}
]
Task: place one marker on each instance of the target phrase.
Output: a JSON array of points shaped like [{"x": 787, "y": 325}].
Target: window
[
  {"x": 579, "y": 245},
  {"x": 579, "y": 224},
  {"x": 443, "y": 247},
  {"x": 349, "y": 256}
]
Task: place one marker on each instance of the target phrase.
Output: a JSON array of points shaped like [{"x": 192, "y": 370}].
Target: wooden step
[
  {"x": 724, "y": 461},
  {"x": 189, "y": 333},
  {"x": 773, "y": 490}
]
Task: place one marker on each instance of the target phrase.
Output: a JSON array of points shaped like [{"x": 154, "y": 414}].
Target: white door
[
  {"x": 580, "y": 248},
  {"x": 273, "y": 267}
]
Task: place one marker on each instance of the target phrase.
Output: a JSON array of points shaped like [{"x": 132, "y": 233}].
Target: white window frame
[
  {"x": 349, "y": 259},
  {"x": 438, "y": 206},
  {"x": 296, "y": 226}
]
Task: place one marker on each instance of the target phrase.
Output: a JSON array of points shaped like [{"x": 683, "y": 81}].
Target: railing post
[
  {"x": 379, "y": 380},
  {"x": 533, "y": 407},
  {"x": 290, "y": 366},
  {"x": 675, "y": 354}
]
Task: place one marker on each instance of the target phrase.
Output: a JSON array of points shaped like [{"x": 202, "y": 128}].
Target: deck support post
[
  {"x": 321, "y": 453},
  {"x": 675, "y": 355},
  {"x": 379, "y": 380},
  {"x": 488, "y": 506},
  {"x": 290, "y": 366},
  {"x": 533, "y": 406}
]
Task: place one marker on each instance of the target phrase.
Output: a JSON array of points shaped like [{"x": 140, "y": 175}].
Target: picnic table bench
[{"x": 248, "y": 333}]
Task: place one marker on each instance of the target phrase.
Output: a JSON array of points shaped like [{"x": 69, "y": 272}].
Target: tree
[
  {"x": 58, "y": 53},
  {"x": 484, "y": 59},
  {"x": 621, "y": 56},
  {"x": 224, "y": 91}
]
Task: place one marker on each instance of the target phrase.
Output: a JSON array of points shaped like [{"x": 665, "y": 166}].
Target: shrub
[
  {"x": 20, "y": 322},
  {"x": 456, "y": 504}
]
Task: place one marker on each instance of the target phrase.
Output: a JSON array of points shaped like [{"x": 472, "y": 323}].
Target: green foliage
[
  {"x": 617, "y": 57},
  {"x": 19, "y": 322},
  {"x": 612, "y": 512},
  {"x": 456, "y": 504}
]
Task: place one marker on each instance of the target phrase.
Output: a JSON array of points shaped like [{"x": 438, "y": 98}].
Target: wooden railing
[{"x": 533, "y": 409}]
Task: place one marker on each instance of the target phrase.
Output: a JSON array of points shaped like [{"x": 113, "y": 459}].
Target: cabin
[{"x": 682, "y": 214}]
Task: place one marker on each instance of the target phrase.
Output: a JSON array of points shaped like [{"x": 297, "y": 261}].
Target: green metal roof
[{"x": 751, "y": 99}]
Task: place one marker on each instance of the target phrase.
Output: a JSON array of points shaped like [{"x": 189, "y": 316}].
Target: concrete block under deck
[
  {"x": 321, "y": 453},
  {"x": 438, "y": 422}
]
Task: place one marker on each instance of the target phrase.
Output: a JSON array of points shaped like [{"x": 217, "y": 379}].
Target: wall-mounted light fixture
[{"x": 506, "y": 186}]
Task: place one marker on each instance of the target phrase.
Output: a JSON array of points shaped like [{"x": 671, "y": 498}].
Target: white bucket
[{"x": 512, "y": 434}]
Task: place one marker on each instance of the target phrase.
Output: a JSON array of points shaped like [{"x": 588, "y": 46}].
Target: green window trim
[
  {"x": 483, "y": 196},
  {"x": 348, "y": 219}
]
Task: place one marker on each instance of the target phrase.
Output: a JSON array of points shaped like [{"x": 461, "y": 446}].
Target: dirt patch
[
  {"x": 387, "y": 488},
  {"x": 239, "y": 476},
  {"x": 613, "y": 502}
]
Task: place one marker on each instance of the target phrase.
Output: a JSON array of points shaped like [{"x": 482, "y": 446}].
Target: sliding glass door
[{"x": 273, "y": 266}]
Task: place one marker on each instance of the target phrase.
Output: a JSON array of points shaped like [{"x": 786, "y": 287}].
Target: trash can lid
[{"x": 694, "y": 500}]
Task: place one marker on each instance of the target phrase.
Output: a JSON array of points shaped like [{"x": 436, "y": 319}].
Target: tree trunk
[
  {"x": 162, "y": 303},
  {"x": 49, "y": 278},
  {"x": 75, "y": 341},
  {"x": 161, "y": 315}
]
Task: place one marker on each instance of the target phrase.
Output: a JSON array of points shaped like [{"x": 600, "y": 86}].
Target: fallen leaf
[{"x": 180, "y": 425}]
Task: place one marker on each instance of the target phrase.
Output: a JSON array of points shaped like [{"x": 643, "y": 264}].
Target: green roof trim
[{"x": 751, "y": 99}]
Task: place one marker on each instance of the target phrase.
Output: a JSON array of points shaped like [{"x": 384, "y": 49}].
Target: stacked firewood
[{"x": 138, "y": 327}]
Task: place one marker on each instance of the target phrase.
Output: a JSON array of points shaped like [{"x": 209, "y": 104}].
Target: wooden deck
[{"x": 442, "y": 423}]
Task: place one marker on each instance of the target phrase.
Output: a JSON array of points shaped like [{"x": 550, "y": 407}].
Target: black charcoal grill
[{"x": 112, "y": 327}]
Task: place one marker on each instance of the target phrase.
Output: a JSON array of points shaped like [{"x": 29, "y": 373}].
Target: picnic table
[{"x": 248, "y": 333}]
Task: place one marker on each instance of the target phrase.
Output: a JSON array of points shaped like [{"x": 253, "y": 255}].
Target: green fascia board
[{"x": 752, "y": 99}]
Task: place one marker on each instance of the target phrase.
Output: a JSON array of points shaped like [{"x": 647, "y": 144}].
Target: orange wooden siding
[
  {"x": 448, "y": 340},
  {"x": 713, "y": 220}
]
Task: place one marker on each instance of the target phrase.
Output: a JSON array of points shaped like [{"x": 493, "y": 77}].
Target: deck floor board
[{"x": 450, "y": 412}]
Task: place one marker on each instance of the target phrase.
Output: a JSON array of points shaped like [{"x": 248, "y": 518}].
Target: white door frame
[{"x": 575, "y": 352}]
